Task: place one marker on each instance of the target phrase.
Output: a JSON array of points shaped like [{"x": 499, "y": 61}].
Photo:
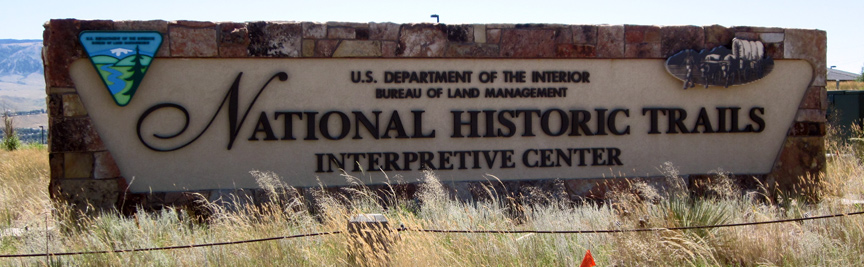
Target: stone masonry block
[
  {"x": 388, "y": 48},
  {"x": 772, "y": 37},
  {"x": 55, "y": 160},
  {"x": 460, "y": 191},
  {"x": 598, "y": 188},
  {"x": 341, "y": 33},
  {"x": 585, "y": 187},
  {"x": 809, "y": 45},
  {"x": 674, "y": 39},
  {"x": 182, "y": 198},
  {"x": 808, "y": 129},
  {"x": 472, "y": 50},
  {"x": 642, "y": 50},
  {"x": 384, "y": 31},
  {"x": 61, "y": 44},
  {"x": 74, "y": 135},
  {"x": 61, "y": 90},
  {"x": 610, "y": 41},
  {"x": 641, "y": 34},
  {"x": 325, "y": 48},
  {"x": 55, "y": 106},
  {"x": 756, "y": 29},
  {"x": 479, "y": 33},
  {"x": 147, "y": 25},
  {"x": 361, "y": 33},
  {"x": 275, "y": 39},
  {"x": 810, "y": 115},
  {"x": 308, "y": 48},
  {"x": 526, "y": 43},
  {"x": 72, "y": 106},
  {"x": 564, "y": 35},
  {"x": 313, "y": 30},
  {"x": 641, "y": 41},
  {"x": 575, "y": 51},
  {"x": 500, "y": 26},
  {"x": 797, "y": 169},
  {"x": 233, "y": 40},
  {"x": 460, "y": 33},
  {"x": 83, "y": 193},
  {"x": 356, "y": 25},
  {"x": 750, "y": 36},
  {"x": 154, "y": 200},
  {"x": 104, "y": 166},
  {"x": 78, "y": 165},
  {"x": 194, "y": 24},
  {"x": 422, "y": 40},
  {"x": 813, "y": 98},
  {"x": 774, "y": 50},
  {"x": 97, "y": 25},
  {"x": 192, "y": 42},
  {"x": 493, "y": 36},
  {"x": 584, "y": 34},
  {"x": 534, "y": 26},
  {"x": 716, "y": 35},
  {"x": 358, "y": 48}
]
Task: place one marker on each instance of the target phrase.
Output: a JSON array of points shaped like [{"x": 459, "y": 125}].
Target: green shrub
[{"x": 11, "y": 142}]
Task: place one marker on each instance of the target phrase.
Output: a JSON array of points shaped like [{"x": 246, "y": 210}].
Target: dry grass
[
  {"x": 24, "y": 198},
  {"x": 24, "y": 204},
  {"x": 846, "y": 85}
]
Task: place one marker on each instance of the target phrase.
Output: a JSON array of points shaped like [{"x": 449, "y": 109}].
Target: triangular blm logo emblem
[{"x": 121, "y": 59}]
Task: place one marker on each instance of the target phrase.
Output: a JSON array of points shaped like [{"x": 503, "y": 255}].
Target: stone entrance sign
[{"x": 525, "y": 103}]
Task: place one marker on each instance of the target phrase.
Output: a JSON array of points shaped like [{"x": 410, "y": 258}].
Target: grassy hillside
[
  {"x": 20, "y": 93},
  {"x": 33, "y": 225},
  {"x": 21, "y": 103}
]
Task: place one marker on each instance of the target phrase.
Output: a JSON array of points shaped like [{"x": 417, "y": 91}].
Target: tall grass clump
[
  {"x": 31, "y": 223},
  {"x": 24, "y": 202}
]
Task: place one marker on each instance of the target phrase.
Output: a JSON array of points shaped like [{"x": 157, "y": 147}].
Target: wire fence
[
  {"x": 171, "y": 247},
  {"x": 404, "y": 229},
  {"x": 612, "y": 231}
]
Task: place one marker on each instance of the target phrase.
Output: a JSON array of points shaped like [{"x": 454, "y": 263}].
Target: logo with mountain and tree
[{"x": 121, "y": 59}]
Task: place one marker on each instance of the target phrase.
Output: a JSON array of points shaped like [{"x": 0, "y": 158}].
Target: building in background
[{"x": 841, "y": 76}]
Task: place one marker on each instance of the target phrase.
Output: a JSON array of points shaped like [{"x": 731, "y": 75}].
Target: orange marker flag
[{"x": 588, "y": 261}]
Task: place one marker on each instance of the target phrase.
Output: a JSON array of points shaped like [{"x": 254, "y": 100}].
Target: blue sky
[{"x": 841, "y": 19}]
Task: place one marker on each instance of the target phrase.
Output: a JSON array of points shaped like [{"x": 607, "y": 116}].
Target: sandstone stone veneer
[{"x": 83, "y": 172}]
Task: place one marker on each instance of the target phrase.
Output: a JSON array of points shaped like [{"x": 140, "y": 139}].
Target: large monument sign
[{"x": 143, "y": 111}]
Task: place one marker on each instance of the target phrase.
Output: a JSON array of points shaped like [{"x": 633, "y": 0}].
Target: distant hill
[
  {"x": 22, "y": 82},
  {"x": 20, "y": 57}
]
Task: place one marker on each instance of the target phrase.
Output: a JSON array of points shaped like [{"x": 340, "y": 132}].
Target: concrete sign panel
[{"x": 198, "y": 124}]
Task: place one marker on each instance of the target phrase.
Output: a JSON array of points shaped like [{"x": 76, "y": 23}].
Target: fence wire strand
[
  {"x": 171, "y": 247},
  {"x": 403, "y": 229},
  {"x": 612, "y": 231}
]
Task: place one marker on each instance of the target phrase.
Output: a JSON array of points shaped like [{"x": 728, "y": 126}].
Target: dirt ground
[{"x": 31, "y": 121}]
